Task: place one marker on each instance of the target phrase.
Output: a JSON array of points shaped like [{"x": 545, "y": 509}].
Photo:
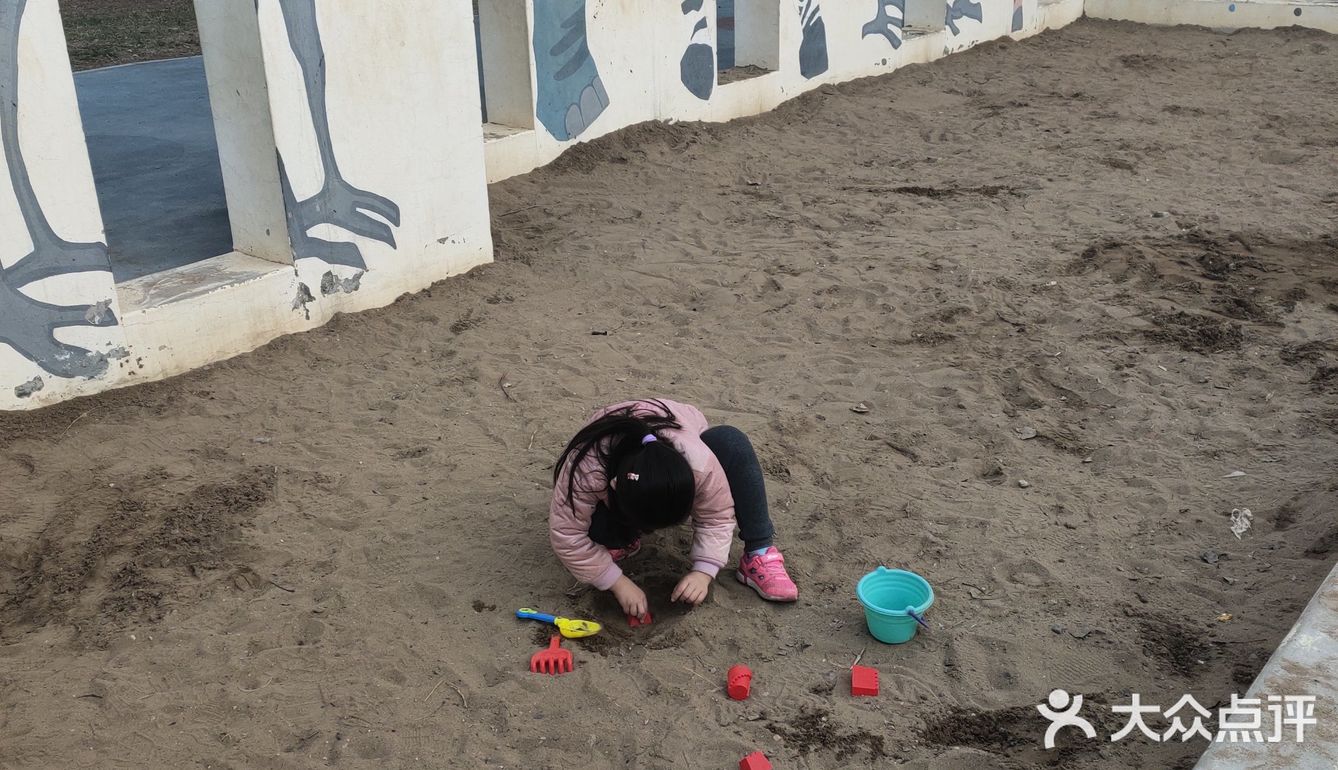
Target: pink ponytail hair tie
[{"x": 649, "y": 438}]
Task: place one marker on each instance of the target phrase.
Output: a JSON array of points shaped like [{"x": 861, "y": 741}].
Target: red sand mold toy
[
  {"x": 739, "y": 682},
  {"x": 863, "y": 680},
  {"x": 755, "y": 761},
  {"x": 636, "y": 622}
]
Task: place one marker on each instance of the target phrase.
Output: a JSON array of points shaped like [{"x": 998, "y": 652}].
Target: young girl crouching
[{"x": 645, "y": 465}]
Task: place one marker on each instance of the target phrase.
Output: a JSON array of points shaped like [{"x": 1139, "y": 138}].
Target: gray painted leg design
[
  {"x": 338, "y": 203},
  {"x": 1017, "y": 16},
  {"x": 962, "y": 9},
  {"x": 888, "y": 21},
  {"x": 26, "y": 324},
  {"x": 571, "y": 93},
  {"x": 697, "y": 69},
  {"x": 813, "y": 46}
]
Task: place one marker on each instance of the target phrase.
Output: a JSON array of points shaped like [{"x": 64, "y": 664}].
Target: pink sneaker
[
  {"x": 765, "y": 574},
  {"x": 620, "y": 554}
]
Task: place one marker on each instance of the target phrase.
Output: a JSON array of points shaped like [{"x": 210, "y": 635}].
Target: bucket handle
[{"x": 911, "y": 611}]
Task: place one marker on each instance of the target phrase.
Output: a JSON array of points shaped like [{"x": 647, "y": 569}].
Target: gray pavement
[{"x": 155, "y": 161}]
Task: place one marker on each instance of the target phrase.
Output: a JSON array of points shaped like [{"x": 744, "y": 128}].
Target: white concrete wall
[
  {"x": 350, "y": 181},
  {"x": 59, "y": 330},
  {"x": 361, "y": 176},
  {"x": 638, "y": 48},
  {"x": 1219, "y": 14},
  {"x": 404, "y": 145}
]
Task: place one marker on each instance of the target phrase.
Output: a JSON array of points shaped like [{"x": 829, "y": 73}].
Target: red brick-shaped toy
[
  {"x": 863, "y": 680},
  {"x": 755, "y": 761},
  {"x": 635, "y": 622}
]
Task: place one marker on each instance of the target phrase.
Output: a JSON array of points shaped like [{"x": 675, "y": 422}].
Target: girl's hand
[
  {"x": 692, "y": 588},
  {"x": 630, "y": 597}
]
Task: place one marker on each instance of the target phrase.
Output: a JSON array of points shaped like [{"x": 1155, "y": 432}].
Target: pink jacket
[{"x": 712, "y": 506}]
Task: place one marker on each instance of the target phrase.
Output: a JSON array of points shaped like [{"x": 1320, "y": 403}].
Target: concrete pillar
[
  {"x": 374, "y": 113},
  {"x": 59, "y": 329},
  {"x": 507, "y": 81},
  {"x": 757, "y": 33},
  {"x": 239, "y": 99}
]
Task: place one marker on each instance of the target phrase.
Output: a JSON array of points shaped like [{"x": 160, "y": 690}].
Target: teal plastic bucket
[{"x": 886, "y": 595}]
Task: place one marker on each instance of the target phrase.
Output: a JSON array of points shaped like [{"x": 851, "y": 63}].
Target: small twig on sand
[
  {"x": 464, "y": 702},
  {"x": 699, "y": 676},
  {"x": 858, "y": 657},
  {"x": 686, "y": 762},
  {"x": 532, "y": 436},
  {"x": 433, "y": 712},
  {"x": 516, "y": 211},
  {"x": 281, "y": 588},
  {"x": 71, "y": 425},
  {"x": 433, "y": 691},
  {"x": 261, "y": 687},
  {"x": 502, "y": 385}
]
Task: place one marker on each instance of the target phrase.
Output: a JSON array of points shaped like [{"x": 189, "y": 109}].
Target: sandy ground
[{"x": 1118, "y": 237}]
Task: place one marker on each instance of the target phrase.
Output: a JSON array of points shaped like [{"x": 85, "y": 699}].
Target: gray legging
[{"x": 735, "y": 453}]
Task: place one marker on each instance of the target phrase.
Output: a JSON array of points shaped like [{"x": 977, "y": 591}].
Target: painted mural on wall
[
  {"x": 887, "y": 22},
  {"x": 813, "y": 44},
  {"x": 338, "y": 202},
  {"x": 26, "y": 324},
  {"x": 571, "y": 94},
  {"x": 697, "y": 69},
  {"x": 962, "y": 9},
  {"x": 1017, "y": 16}
]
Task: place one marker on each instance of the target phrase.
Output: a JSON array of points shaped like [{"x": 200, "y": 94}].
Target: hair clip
[
  {"x": 650, "y": 437},
  {"x": 634, "y": 477}
]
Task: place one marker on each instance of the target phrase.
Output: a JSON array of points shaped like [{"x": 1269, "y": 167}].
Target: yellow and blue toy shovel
[{"x": 572, "y": 629}]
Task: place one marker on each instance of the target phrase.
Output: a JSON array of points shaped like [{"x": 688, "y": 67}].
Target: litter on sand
[{"x": 1240, "y": 521}]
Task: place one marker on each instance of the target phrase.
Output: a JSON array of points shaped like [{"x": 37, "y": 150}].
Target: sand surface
[{"x": 1119, "y": 237}]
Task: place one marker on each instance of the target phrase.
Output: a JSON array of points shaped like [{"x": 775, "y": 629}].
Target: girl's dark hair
[{"x": 650, "y": 484}]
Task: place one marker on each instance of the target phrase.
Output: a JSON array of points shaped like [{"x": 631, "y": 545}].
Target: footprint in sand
[
  {"x": 571, "y": 93},
  {"x": 902, "y": 684},
  {"x": 1028, "y": 573}
]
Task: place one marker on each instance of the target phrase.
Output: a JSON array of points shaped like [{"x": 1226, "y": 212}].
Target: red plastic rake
[{"x": 553, "y": 660}]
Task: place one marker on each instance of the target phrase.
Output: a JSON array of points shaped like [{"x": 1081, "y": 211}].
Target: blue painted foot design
[
  {"x": 29, "y": 327},
  {"x": 344, "y": 206},
  {"x": 962, "y": 9},
  {"x": 697, "y": 69},
  {"x": 887, "y": 22},
  {"x": 338, "y": 203},
  {"x": 571, "y": 93},
  {"x": 813, "y": 46}
]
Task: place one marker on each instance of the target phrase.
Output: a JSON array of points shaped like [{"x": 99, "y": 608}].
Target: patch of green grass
[{"x": 101, "y": 33}]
